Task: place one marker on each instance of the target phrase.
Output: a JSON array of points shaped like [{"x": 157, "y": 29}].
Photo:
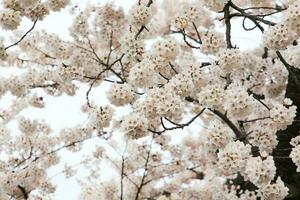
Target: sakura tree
[{"x": 171, "y": 65}]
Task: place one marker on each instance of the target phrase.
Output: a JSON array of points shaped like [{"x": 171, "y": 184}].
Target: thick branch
[
  {"x": 290, "y": 70},
  {"x": 24, "y": 192},
  {"x": 228, "y": 25},
  {"x": 236, "y": 131}
]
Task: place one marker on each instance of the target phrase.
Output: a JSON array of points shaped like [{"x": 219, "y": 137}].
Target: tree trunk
[{"x": 286, "y": 169}]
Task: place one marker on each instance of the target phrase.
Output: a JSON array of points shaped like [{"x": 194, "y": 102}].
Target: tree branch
[
  {"x": 236, "y": 131},
  {"x": 139, "y": 189},
  {"x": 23, "y": 37},
  {"x": 177, "y": 126},
  {"x": 24, "y": 192},
  {"x": 226, "y": 11},
  {"x": 290, "y": 70}
]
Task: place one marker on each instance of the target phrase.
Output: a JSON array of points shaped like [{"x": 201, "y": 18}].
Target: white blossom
[
  {"x": 260, "y": 172},
  {"x": 10, "y": 19},
  {"x": 135, "y": 125},
  {"x": 233, "y": 157},
  {"x": 276, "y": 191},
  {"x": 121, "y": 94}
]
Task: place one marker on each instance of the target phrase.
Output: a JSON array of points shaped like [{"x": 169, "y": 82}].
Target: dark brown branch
[
  {"x": 251, "y": 28},
  {"x": 101, "y": 62},
  {"x": 236, "y": 131},
  {"x": 110, "y": 48},
  {"x": 278, "y": 8},
  {"x": 149, "y": 3},
  {"x": 259, "y": 98},
  {"x": 24, "y": 192},
  {"x": 177, "y": 125},
  {"x": 112, "y": 81},
  {"x": 228, "y": 80},
  {"x": 226, "y": 11},
  {"x": 23, "y": 37},
  {"x": 205, "y": 64},
  {"x": 53, "y": 85},
  {"x": 125, "y": 174},
  {"x": 187, "y": 42},
  {"x": 199, "y": 175},
  {"x": 78, "y": 46},
  {"x": 290, "y": 70},
  {"x": 163, "y": 76},
  {"x": 96, "y": 55},
  {"x": 140, "y": 31},
  {"x": 108, "y": 67},
  {"x": 122, "y": 174},
  {"x": 186, "y": 35},
  {"x": 198, "y": 34},
  {"x": 57, "y": 149},
  {"x": 173, "y": 67},
  {"x": 95, "y": 79},
  {"x": 46, "y": 55},
  {"x": 70, "y": 144},
  {"x": 25, "y": 159},
  {"x": 22, "y": 60},
  {"x": 91, "y": 86},
  {"x": 139, "y": 189},
  {"x": 254, "y": 120},
  {"x": 254, "y": 17}
]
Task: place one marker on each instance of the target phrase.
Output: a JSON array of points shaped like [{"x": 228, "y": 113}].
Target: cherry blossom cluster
[
  {"x": 11, "y": 16},
  {"x": 190, "y": 114}
]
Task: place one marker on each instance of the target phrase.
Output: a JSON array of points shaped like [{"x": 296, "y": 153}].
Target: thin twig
[
  {"x": 23, "y": 37},
  {"x": 139, "y": 189},
  {"x": 187, "y": 42},
  {"x": 198, "y": 34},
  {"x": 177, "y": 126}
]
